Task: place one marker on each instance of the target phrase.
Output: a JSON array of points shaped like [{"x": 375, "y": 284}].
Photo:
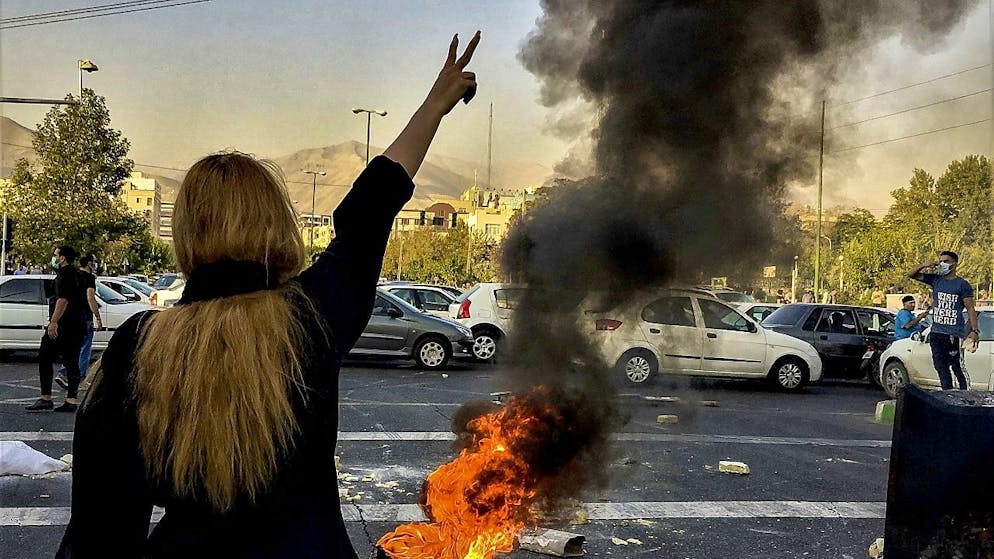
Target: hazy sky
[{"x": 274, "y": 77}]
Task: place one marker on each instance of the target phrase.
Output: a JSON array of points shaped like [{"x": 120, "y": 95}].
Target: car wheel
[
  {"x": 485, "y": 345},
  {"x": 789, "y": 374},
  {"x": 893, "y": 378},
  {"x": 639, "y": 367},
  {"x": 432, "y": 353}
]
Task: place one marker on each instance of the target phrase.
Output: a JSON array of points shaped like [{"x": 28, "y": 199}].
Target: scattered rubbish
[
  {"x": 619, "y": 541},
  {"x": 634, "y": 541},
  {"x": 500, "y": 397},
  {"x": 45, "y": 496},
  {"x": 709, "y": 403},
  {"x": 643, "y": 522},
  {"x": 338, "y": 464},
  {"x": 877, "y": 549},
  {"x": 667, "y": 419},
  {"x": 579, "y": 517},
  {"x": 368, "y": 477},
  {"x": 662, "y": 398},
  {"x": 551, "y": 542},
  {"x": 387, "y": 485},
  {"x": 67, "y": 458},
  {"x": 445, "y": 375},
  {"x": 729, "y": 467},
  {"x": 19, "y": 459}
]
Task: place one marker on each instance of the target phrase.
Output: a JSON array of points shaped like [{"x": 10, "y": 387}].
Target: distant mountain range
[{"x": 440, "y": 177}]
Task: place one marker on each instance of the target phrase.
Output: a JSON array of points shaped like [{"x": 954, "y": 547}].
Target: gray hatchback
[{"x": 396, "y": 329}]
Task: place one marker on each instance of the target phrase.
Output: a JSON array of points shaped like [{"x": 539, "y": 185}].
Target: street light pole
[
  {"x": 369, "y": 122},
  {"x": 314, "y": 191},
  {"x": 84, "y": 66}
]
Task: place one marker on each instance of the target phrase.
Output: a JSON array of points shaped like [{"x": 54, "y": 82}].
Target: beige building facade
[{"x": 144, "y": 196}]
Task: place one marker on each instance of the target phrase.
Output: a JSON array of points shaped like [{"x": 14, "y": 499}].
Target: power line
[
  {"x": 909, "y": 109},
  {"x": 77, "y": 11},
  {"x": 144, "y": 9},
  {"x": 908, "y": 136},
  {"x": 902, "y": 88}
]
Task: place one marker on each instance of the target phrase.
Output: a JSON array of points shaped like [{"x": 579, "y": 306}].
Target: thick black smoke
[{"x": 703, "y": 112}]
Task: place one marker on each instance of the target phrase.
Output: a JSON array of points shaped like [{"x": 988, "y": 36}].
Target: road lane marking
[
  {"x": 417, "y": 436},
  {"x": 59, "y": 516}
]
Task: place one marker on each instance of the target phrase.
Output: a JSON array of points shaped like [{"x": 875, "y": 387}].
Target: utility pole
[
  {"x": 490, "y": 142},
  {"x": 990, "y": 151},
  {"x": 821, "y": 169}
]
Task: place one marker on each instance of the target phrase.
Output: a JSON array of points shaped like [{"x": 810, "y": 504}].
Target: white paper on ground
[{"x": 19, "y": 459}]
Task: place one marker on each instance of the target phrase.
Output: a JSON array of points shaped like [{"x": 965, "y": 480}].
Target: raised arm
[
  {"x": 452, "y": 84},
  {"x": 918, "y": 273}
]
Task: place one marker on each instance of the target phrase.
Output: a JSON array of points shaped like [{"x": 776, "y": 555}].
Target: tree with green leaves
[
  {"x": 428, "y": 256},
  {"x": 72, "y": 194}
]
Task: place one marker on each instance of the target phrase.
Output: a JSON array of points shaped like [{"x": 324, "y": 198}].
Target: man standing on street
[
  {"x": 951, "y": 294},
  {"x": 64, "y": 335},
  {"x": 91, "y": 315},
  {"x": 906, "y": 322}
]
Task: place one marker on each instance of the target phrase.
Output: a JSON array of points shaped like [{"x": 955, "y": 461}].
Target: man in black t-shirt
[
  {"x": 91, "y": 322},
  {"x": 64, "y": 335}
]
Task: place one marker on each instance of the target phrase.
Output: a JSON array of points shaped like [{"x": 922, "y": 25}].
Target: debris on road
[
  {"x": 634, "y": 541},
  {"x": 885, "y": 411},
  {"x": 729, "y": 467},
  {"x": 877, "y": 549},
  {"x": 667, "y": 419},
  {"x": 19, "y": 459},
  {"x": 619, "y": 541},
  {"x": 338, "y": 464},
  {"x": 445, "y": 375},
  {"x": 67, "y": 458},
  {"x": 709, "y": 403},
  {"x": 551, "y": 542},
  {"x": 674, "y": 399}
]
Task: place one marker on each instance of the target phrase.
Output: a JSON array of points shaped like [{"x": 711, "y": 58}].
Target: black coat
[{"x": 299, "y": 514}]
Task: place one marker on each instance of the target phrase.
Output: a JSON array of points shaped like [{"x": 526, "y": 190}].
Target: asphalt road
[{"x": 818, "y": 483}]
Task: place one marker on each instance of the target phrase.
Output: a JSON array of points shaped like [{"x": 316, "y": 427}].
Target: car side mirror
[
  {"x": 394, "y": 312},
  {"x": 916, "y": 336},
  {"x": 752, "y": 327},
  {"x": 132, "y": 297}
]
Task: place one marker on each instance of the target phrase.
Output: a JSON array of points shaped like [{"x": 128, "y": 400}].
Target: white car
[
  {"x": 131, "y": 289},
  {"x": 432, "y": 299},
  {"x": 757, "y": 311},
  {"x": 486, "y": 309},
  {"x": 910, "y": 360},
  {"x": 24, "y": 311},
  {"x": 167, "y": 290},
  {"x": 690, "y": 332}
]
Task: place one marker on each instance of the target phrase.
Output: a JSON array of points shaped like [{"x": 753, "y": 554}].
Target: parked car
[
  {"x": 432, "y": 299},
  {"x": 758, "y": 311},
  {"x": 687, "y": 332},
  {"x": 842, "y": 334},
  {"x": 910, "y": 360},
  {"x": 139, "y": 277},
  {"x": 396, "y": 329},
  {"x": 486, "y": 309},
  {"x": 24, "y": 311},
  {"x": 729, "y": 295},
  {"x": 166, "y": 297},
  {"x": 131, "y": 289}
]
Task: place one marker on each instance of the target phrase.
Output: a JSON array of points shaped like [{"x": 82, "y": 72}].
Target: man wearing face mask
[
  {"x": 63, "y": 337},
  {"x": 951, "y": 294}
]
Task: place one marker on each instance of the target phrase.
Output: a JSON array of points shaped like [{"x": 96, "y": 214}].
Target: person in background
[
  {"x": 36, "y": 269},
  {"x": 91, "y": 313},
  {"x": 808, "y": 297},
  {"x": 21, "y": 269},
  {"x": 878, "y": 298},
  {"x": 64, "y": 335},
  {"x": 224, "y": 409},
  {"x": 951, "y": 295},
  {"x": 906, "y": 322}
]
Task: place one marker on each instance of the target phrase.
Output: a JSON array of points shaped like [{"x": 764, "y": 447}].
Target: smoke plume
[{"x": 702, "y": 113}]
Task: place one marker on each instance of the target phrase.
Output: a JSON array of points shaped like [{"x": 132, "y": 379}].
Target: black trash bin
[{"x": 940, "y": 493}]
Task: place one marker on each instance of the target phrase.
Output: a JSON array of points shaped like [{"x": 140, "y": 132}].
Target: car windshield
[
  {"x": 109, "y": 296},
  {"x": 734, "y": 297},
  {"x": 786, "y": 316},
  {"x": 144, "y": 288},
  {"x": 164, "y": 281}
]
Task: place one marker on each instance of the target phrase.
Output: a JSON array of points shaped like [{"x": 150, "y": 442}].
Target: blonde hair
[{"x": 214, "y": 378}]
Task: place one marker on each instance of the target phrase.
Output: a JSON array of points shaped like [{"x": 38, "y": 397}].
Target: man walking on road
[
  {"x": 91, "y": 316},
  {"x": 64, "y": 335},
  {"x": 951, "y": 294},
  {"x": 906, "y": 322}
]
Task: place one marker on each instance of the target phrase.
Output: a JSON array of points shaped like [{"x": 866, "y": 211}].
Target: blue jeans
[{"x": 84, "y": 352}]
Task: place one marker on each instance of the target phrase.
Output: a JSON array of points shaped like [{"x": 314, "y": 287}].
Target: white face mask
[{"x": 944, "y": 268}]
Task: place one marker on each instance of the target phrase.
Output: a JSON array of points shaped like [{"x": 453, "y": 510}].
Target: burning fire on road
[{"x": 518, "y": 463}]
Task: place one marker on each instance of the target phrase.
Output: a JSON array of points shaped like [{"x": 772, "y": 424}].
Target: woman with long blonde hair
[{"x": 223, "y": 410}]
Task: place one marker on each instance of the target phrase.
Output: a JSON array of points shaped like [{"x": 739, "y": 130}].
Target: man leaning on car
[{"x": 951, "y": 294}]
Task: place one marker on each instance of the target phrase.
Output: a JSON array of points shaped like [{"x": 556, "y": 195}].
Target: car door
[
  {"x": 387, "y": 330},
  {"x": 732, "y": 344},
  {"x": 921, "y": 371},
  {"x": 670, "y": 325},
  {"x": 980, "y": 363},
  {"x": 877, "y": 327},
  {"x": 23, "y": 312},
  {"x": 434, "y": 302},
  {"x": 839, "y": 342}
]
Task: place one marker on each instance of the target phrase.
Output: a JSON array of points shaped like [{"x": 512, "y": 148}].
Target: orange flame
[{"x": 478, "y": 502}]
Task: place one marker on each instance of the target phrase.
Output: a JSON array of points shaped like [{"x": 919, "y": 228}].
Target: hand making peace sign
[{"x": 454, "y": 82}]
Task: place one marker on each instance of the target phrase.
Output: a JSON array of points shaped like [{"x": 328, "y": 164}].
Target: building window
[
  {"x": 492, "y": 230},
  {"x": 148, "y": 201}
]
